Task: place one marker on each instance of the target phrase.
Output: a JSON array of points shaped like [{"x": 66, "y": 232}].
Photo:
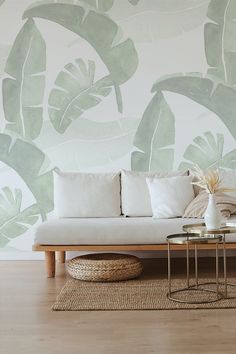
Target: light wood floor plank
[{"x": 28, "y": 326}]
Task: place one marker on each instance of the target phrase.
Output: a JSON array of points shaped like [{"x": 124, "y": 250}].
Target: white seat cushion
[{"x": 111, "y": 231}]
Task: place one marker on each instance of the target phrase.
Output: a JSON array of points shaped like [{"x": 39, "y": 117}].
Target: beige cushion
[
  {"x": 197, "y": 207},
  {"x": 110, "y": 231}
]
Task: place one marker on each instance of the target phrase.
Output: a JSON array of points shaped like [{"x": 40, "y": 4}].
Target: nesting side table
[
  {"x": 226, "y": 229},
  {"x": 194, "y": 239}
]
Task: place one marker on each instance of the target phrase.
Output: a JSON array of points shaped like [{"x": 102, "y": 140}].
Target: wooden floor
[{"x": 28, "y": 326}]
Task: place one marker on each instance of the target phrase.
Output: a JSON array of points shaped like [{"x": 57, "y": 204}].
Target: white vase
[{"x": 212, "y": 214}]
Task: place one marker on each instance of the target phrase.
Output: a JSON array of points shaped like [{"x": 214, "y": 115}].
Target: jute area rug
[{"x": 145, "y": 293}]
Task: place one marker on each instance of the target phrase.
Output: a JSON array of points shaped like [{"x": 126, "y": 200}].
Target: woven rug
[{"x": 139, "y": 294}]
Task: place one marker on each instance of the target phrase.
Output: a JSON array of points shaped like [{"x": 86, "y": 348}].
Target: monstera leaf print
[
  {"x": 220, "y": 44},
  {"x": 207, "y": 152},
  {"x": 75, "y": 91},
  {"x": 28, "y": 161},
  {"x": 23, "y": 90},
  {"x": 14, "y": 221},
  {"x": 216, "y": 96},
  {"x": 101, "y": 32},
  {"x": 155, "y": 137}
]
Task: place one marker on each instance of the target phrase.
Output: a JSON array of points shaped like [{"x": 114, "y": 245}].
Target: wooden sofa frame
[{"x": 51, "y": 250}]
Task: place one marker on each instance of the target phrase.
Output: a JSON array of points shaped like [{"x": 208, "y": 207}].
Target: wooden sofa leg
[
  {"x": 61, "y": 256},
  {"x": 50, "y": 263}
]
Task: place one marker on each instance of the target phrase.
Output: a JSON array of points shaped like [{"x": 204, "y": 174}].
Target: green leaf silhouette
[
  {"x": 134, "y": 2},
  {"x": 14, "y": 221},
  {"x": 220, "y": 45},
  {"x": 100, "y": 5},
  {"x": 86, "y": 143},
  {"x": 4, "y": 52},
  {"x": 75, "y": 91},
  {"x": 27, "y": 160},
  {"x": 154, "y": 137},
  {"x": 207, "y": 152},
  {"x": 216, "y": 96},
  {"x": 101, "y": 32},
  {"x": 23, "y": 91}
]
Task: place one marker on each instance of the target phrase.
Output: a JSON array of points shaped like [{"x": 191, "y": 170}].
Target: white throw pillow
[
  {"x": 86, "y": 194},
  {"x": 170, "y": 196},
  {"x": 134, "y": 191}
]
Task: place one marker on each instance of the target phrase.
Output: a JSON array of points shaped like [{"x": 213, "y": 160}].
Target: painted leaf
[
  {"x": 155, "y": 137},
  {"x": 14, "y": 221},
  {"x": 220, "y": 44},
  {"x": 134, "y": 2},
  {"x": 23, "y": 91},
  {"x": 87, "y": 144},
  {"x": 101, "y": 32},
  {"x": 75, "y": 91},
  {"x": 1, "y": 2},
  {"x": 150, "y": 20},
  {"x": 4, "y": 52},
  {"x": 217, "y": 97},
  {"x": 27, "y": 160},
  {"x": 207, "y": 152},
  {"x": 100, "y": 5}
]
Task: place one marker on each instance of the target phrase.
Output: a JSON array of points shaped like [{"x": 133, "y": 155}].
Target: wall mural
[{"x": 82, "y": 109}]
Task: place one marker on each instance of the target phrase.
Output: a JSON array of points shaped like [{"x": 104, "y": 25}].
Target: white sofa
[{"x": 119, "y": 233}]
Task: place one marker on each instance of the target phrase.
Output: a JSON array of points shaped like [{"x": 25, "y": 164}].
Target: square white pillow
[
  {"x": 86, "y": 194},
  {"x": 170, "y": 196},
  {"x": 135, "y": 198}
]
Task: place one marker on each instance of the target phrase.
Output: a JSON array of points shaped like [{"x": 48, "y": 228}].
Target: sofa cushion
[
  {"x": 135, "y": 198},
  {"x": 170, "y": 196},
  {"x": 111, "y": 231},
  {"x": 86, "y": 194}
]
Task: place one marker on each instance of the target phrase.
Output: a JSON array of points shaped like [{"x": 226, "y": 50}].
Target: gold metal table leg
[
  {"x": 187, "y": 256},
  {"x": 217, "y": 272},
  {"x": 169, "y": 270},
  {"x": 196, "y": 266}
]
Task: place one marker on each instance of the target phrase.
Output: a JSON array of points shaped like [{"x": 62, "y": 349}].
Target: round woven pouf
[{"x": 105, "y": 267}]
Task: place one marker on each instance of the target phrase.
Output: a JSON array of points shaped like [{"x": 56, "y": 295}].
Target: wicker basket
[{"x": 105, "y": 267}]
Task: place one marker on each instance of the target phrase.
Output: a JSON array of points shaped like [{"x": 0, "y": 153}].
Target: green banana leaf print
[
  {"x": 87, "y": 144},
  {"x": 216, "y": 96},
  {"x": 28, "y": 161},
  {"x": 220, "y": 44},
  {"x": 101, "y": 32},
  {"x": 75, "y": 91},
  {"x": 100, "y": 5},
  {"x": 134, "y": 2},
  {"x": 14, "y": 221},
  {"x": 23, "y": 91},
  {"x": 207, "y": 152},
  {"x": 155, "y": 137},
  {"x": 4, "y": 52}
]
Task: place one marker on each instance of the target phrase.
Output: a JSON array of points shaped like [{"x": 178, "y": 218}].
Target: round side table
[
  {"x": 226, "y": 229},
  {"x": 187, "y": 240}
]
